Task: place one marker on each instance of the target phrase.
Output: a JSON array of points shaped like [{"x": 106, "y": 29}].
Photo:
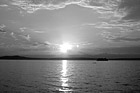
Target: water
[{"x": 69, "y": 76}]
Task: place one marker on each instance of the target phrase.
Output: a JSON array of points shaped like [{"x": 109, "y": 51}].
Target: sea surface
[{"x": 68, "y": 76}]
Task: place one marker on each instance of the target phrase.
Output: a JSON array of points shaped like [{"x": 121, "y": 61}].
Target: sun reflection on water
[{"x": 64, "y": 78}]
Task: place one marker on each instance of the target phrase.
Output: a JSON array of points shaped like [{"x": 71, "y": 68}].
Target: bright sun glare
[{"x": 65, "y": 47}]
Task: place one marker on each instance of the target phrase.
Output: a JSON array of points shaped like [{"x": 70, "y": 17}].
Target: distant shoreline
[{"x": 76, "y": 58}]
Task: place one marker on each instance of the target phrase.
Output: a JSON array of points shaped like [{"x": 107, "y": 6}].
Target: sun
[{"x": 65, "y": 47}]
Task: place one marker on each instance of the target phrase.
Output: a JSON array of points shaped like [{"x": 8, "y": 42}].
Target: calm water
[{"x": 69, "y": 76}]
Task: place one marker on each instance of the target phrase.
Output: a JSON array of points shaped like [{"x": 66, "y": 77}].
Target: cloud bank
[
  {"x": 33, "y": 5},
  {"x": 122, "y": 13},
  {"x": 118, "y": 39},
  {"x": 125, "y": 9}
]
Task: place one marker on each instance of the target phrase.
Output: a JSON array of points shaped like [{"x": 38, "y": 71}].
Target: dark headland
[{"x": 16, "y": 57}]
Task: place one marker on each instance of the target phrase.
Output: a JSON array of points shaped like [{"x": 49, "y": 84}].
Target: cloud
[
  {"x": 131, "y": 8},
  {"x": 123, "y": 15},
  {"x": 119, "y": 39},
  {"x": 122, "y": 9},
  {"x": 121, "y": 50},
  {"x": 34, "y": 5},
  {"x": 2, "y": 28},
  {"x": 2, "y": 31},
  {"x": 40, "y": 44},
  {"x": 27, "y": 37},
  {"x": 4, "y": 5},
  {"x": 55, "y": 46},
  {"x": 22, "y": 29},
  {"x": 125, "y": 26},
  {"x": 13, "y": 35},
  {"x": 39, "y": 31}
]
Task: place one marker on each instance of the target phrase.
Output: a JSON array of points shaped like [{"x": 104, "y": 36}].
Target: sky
[{"x": 39, "y": 27}]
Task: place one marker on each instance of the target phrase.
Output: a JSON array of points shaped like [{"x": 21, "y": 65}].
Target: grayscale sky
[{"x": 38, "y": 27}]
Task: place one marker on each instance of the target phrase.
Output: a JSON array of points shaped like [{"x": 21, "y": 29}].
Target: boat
[{"x": 102, "y": 59}]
